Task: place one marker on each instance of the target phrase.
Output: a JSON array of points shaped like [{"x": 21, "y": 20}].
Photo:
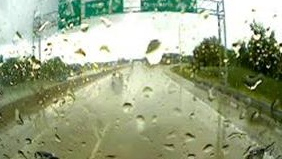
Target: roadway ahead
[{"x": 146, "y": 115}]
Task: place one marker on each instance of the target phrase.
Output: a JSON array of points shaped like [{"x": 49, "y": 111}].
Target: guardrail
[
  {"x": 261, "y": 106},
  {"x": 43, "y": 98}
]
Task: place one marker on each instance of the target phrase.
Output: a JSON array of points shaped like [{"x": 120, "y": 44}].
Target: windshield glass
[{"x": 137, "y": 79}]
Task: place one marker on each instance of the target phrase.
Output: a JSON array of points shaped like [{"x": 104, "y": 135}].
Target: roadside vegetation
[
  {"x": 14, "y": 71},
  {"x": 253, "y": 67}
]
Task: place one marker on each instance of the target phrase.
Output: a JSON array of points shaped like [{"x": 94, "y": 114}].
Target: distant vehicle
[{"x": 117, "y": 81}]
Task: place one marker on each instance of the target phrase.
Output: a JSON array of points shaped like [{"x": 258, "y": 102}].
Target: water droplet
[
  {"x": 252, "y": 82},
  {"x": 6, "y": 156},
  {"x": 256, "y": 36},
  {"x": 80, "y": 52},
  {"x": 225, "y": 148},
  {"x": 18, "y": 117},
  {"x": 83, "y": 143},
  {"x": 204, "y": 14},
  {"x": 147, "y": 89},
  {"x": 211, "y": 96},
  {"x": 208, "y": 148},
  {"x": 226, "y": 123},
  {"x": 191, "y": 156},
  {"x": 28, "y": 141},
  {"x": 84, "y": 27},
  {"x": 153, "y": 46},
  {"x": 55, "y": 100},
  {"x": 255, "y": 115},
  {"x": 242, "y": 114},
  {"x": 189, "y": 137},
  {"x": 192, "y": 115},
  {"x": 21, "y": 154},
  {"x": 105, "y": 49},
  {"x": 127, "y": 107},
  {"x": 171, "y": 88},
  {"x": 177, "y": 111},
  {"x": 169, "y": 147},
  {"x": 140, "y": 121},
  {"x": 70, "y": 150},
  {"x": 171, "y": 135},
  {"x": 111, "y": 156},
  {"x": 42, "y": 143},
  {"x": 212, "y": 155},
  {"x": 57, "y": 138},
  {"x": 154, "y": 119},
  {"x": 106, "y": 22},
  {"x": 44, "y": 154},
  {"x": 117, "y": 123}
]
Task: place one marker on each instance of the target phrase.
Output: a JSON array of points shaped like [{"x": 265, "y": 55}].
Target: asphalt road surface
[{"x": 140, "y": 113}]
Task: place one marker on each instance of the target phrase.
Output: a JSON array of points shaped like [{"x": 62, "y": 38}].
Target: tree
[
  {"x": 1, "y": 58},
  {"x": 264, "y": 51},
  {"x": 55, "y": 70},
  {"x": 209, "y": 53},
  {"x": 13, "y": 72}
]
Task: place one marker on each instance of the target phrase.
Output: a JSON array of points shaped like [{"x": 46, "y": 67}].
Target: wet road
[{"x": 142, "y": 115}]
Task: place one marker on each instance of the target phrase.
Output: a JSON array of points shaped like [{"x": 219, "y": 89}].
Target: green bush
[
  {"x": 15, "y": 70},
  {"x": 55, "y": 70},
  {"x": 264, "y": 51},
  {"x": 209, "y": 53}
]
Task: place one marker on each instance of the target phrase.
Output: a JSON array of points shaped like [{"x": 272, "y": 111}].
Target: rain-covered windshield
[{"x": 140, "y": 79}]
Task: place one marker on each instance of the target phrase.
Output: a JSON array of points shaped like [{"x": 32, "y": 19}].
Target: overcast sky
[
  {"x": 238, "y": 11},
  {"x": 130, "y": 34}
]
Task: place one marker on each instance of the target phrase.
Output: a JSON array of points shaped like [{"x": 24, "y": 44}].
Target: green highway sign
[
  {"x": 70, "y": 10},
  {"x": 100, "y": 7},
  {"x": 69, "y": 13},
  {"x": 189, "y": 6}
]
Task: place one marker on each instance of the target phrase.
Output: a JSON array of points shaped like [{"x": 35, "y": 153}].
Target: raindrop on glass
[
  {"x": 84, "y": 27},
  {"x": 177, "y": 111},
  {"x": 225, "y": 148},
  {"x": 105, "y": 49},
  {"x": 42, "y": 143},
  {"x": 212, "y": 155},
  {"x": 83, "y": 143},
  {"x": 191, "y": 156},
  {"x": 127, "y": 107},
  {"x": 154, "y": 119},
  {"x": 171, "y": 135},
  {"x": 252, "y": 82},
  {"x": 140, "y": 121},
  {"x": 44, "y": 154},
  {"x": 57, "y": 138},
  {"x": 21, "y": 154},
  {"x": 111, "y": 156},
  {"x": 208, "y": 148},
  {"x": 171, "y": 89},
  {"x": 28, "y": 141},
  {"x": 256, "y": 36},
  {"x": 6, "y": 156},
  {"x": 192, "y": 115},
  {"x": 169, "y": 147},
  {"x": 18, "y": 117},
  {"x": 147, "y": 89},
  {"x": 211, "y": 96},
  {"x": 204, "y": 14},
  {"x": 189, "y": 137}
]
